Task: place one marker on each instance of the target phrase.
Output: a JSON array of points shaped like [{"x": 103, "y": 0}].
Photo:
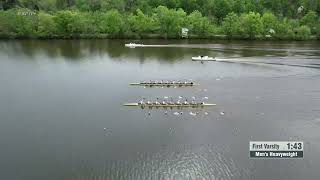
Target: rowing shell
[
  {"x": 161, "y": 84},
  {"x": 170, "y": 105}
]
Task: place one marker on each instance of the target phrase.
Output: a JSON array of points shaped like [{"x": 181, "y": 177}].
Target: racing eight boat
[{"x": 164, "y": 83}]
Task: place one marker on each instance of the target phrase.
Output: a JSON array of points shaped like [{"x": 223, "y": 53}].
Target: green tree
[
  {"x": 112, "y": 23},
  {"x": 64, "y": 4},
  {"x": 88, "y": 5},
  {"x": 188, "y": 5},
  {"x": 8, "y": 4},
  {"x": 93, "y": 19},
  {"x": 311, "y": 20},
  {"x": 113, "y": 4},
  {"x": 318, "y": 31},
  {"x": 7, "y": 24},
  {"x": 142, "y": 23},
  {"x": 252, "y": 24},
  {"x": 23, "y": 22},
  {"x": 252, "y": 6},
  {"x": 302, "y": 33},
  {"x": 284, "y": 29},
  {"x": 238, "y": 6},
  {"x": 46, "y": 5},
  {"x": 170, "y": 21},
  {"x": 46, "y": 25},
  {"x": 69, "y": 23},
  {"x": 221, "y": 8},
  {"x": 199, "y": 25},
  {"x": 63, "y": 20},
  {"x": 269, "y": 22},
  {"x": 31, "y": 4},
  {"x": 231, "y": 24}
]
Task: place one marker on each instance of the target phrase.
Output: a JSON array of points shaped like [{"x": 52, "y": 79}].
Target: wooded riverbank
[{"x": 224, "y": 21}]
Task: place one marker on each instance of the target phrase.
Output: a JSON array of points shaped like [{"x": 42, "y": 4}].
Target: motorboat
[
  {"x": 203, "y": 58},
  {"x": 133, "y": 45}
]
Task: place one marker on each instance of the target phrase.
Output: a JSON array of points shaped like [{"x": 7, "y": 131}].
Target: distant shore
[
  {"x": 157, "y": 23},
  {"x": 153, "y": 36}
]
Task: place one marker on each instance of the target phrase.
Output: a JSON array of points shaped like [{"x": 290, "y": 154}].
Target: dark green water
[{"x": 61, "y": 113}]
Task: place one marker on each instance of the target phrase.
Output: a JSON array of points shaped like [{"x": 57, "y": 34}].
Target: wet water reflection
[{"x": 61, "y": 113}]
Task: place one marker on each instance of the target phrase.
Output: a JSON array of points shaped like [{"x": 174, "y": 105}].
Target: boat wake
[{"x": 256, "y": 61}]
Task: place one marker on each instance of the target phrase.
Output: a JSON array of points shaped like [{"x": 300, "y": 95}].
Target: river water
[{"x": 61, "y": 113}]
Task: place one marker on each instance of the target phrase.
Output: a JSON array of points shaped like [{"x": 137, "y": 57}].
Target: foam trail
[{"x": 253, "y": 61}]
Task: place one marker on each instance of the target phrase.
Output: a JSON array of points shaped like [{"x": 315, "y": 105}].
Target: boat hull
[
  {"x": 133, "y": 45},
  {"x": 161, "y": 84},
  {"x": 201, "y": 59},
  {"x": 173, "y": 105}
]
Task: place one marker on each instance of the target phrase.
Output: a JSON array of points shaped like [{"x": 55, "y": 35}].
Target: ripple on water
[{"x": 173, "y": 162}]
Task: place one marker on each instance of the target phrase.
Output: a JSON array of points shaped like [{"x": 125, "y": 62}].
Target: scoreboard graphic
[{"x": 276, "y": 149}]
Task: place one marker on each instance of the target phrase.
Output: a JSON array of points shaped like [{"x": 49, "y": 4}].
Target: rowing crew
[
  {"x": 167, "y": 82},
  {"x": 178, "y": 103}
]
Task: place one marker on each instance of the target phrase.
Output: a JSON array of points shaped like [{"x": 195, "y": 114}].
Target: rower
[
  {"x": 193, "y": 102},
  {"x": 164, "y": 103},
  {"x": 157, "y": 101},
  {"x": 186, "y": 102},
  {"x": 171, "y": 102},
  {"x": 142, "y": 102},
  {"x": 149, "y": 103},
  {"x": 179, "y": 103}
]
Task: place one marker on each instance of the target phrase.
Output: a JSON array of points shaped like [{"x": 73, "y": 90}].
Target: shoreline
[{"x": 153, "y": 36}]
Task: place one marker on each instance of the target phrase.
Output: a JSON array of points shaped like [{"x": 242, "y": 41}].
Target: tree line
[{"x": 252, "y": 19}]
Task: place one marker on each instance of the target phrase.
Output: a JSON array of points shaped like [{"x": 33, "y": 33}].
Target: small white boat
[
  {"x": 203, "y": 58},
  {"x": 133, "y": 45}
]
